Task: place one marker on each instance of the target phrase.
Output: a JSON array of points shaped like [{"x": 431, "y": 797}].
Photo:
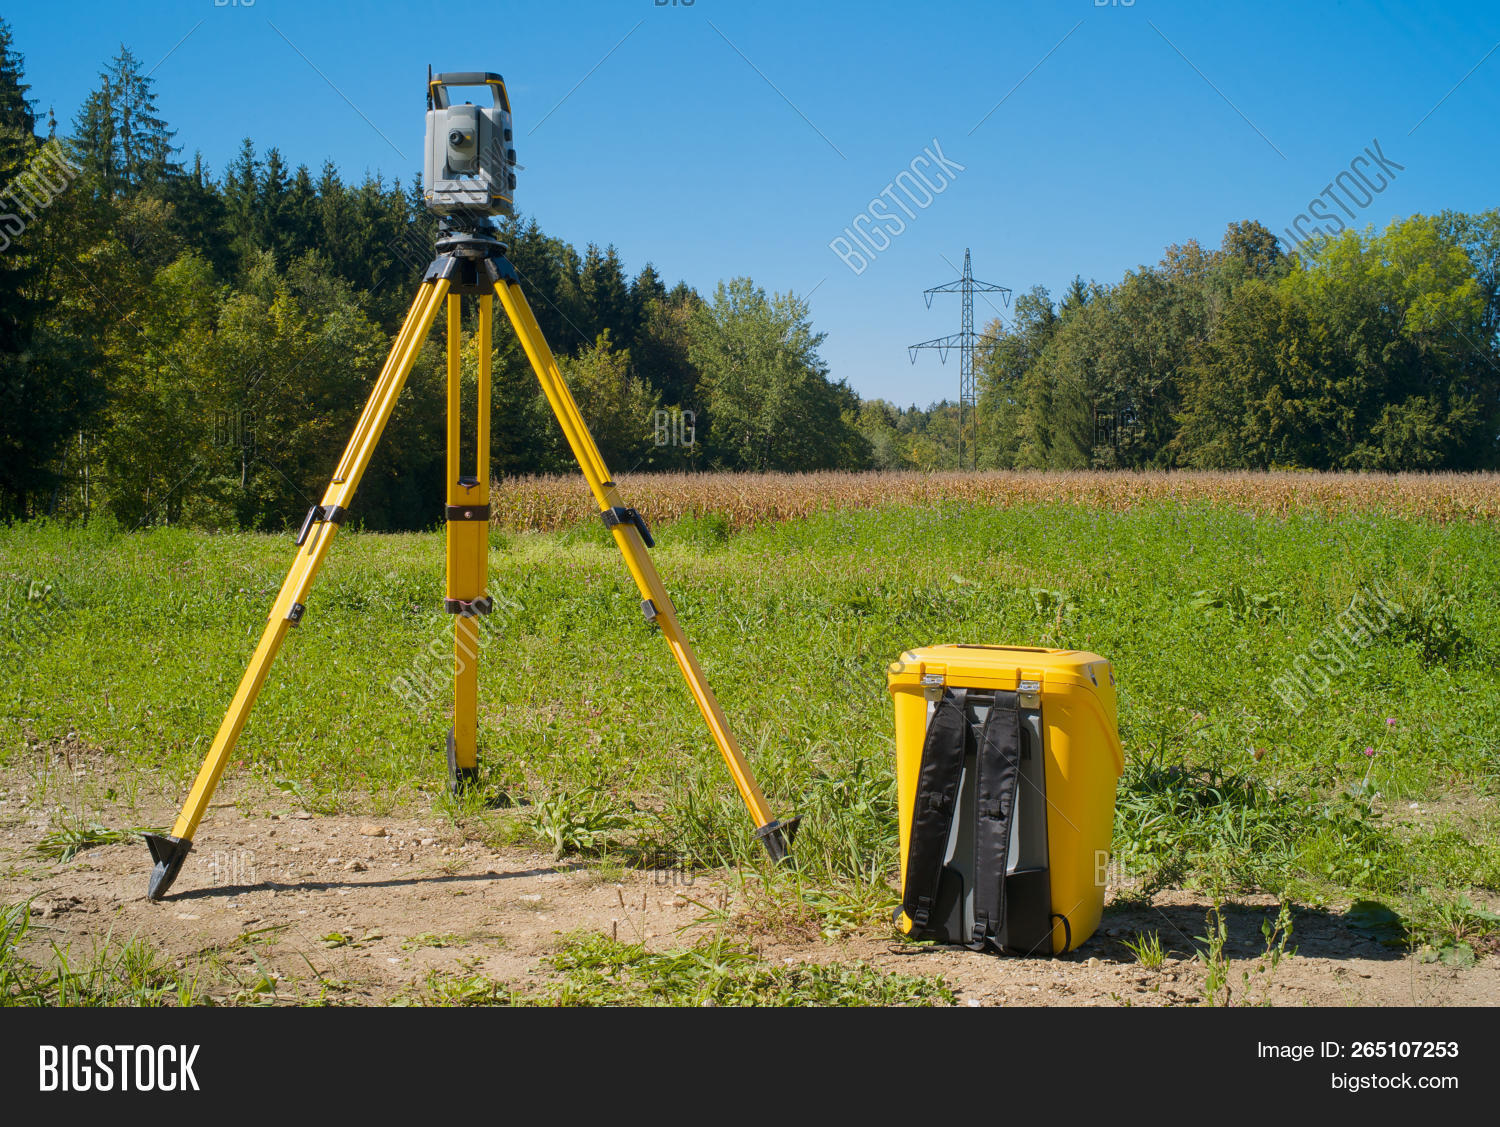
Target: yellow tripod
[{"x": 469, "y": 262}]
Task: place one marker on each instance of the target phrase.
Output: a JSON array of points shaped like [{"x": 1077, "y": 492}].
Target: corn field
[{"x": 545, "y": 503}]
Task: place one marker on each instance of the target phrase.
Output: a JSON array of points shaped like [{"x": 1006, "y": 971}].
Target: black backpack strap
[
  {"x": 998, "y": 767},
  {"x": 934, "y": 805}
]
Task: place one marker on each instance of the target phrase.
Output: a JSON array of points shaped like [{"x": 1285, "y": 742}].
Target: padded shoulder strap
[
  {"x": 998, "y": 766},
  {"x": 934, "y": 805}
]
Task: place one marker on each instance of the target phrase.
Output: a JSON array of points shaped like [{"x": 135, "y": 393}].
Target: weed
[
  {"x": 597, "y": 970},
  {"x": 1234, "y": 832},
  {"x": 1427, "y": 617},
  {"x": 1275, "y": 933},
  {"x": 1216, "y": 989},
  {"x": 1239, "y": 604},
  {"x": 1449, "y": 952},
  {"x": 448, "y": 989},
  {"x": 67, "y": 842},
  {"x": 1147, "y": 949},
  {"x": 583, "y": 822},
  {"x": 1446, "y": 920},
  {"x": 17, "y": 977},
  {"x": 430, "y": 939},
  {"x": 132, "y": 974},
  {"x": 783, "y": 904}
]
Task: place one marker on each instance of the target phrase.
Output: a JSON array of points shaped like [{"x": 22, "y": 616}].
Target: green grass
[
  {"x": 133, "y": 644},
  {"x": 595, "y": 970},
  {"x": 67, "y": 841},
  {"x": 133, "y": 973},
  {"x": 1147, "y": 949}
]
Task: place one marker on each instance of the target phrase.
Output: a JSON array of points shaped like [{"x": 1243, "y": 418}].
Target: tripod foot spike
[
  {"x": 460, "y": 779},
  {"x": 777, "y": 837},
  {"x": 167, "y": 853}
]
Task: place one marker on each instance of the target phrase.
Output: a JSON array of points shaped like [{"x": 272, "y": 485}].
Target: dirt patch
[{"x": 361, "y": 909}]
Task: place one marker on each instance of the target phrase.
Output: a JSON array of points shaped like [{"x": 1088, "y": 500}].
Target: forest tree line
[
  {"x": 181, "y": 347},
  {"x": 1375, "y": 351}
]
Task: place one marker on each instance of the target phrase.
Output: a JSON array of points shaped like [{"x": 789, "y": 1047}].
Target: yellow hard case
[{"x": 1075, "y": 692}]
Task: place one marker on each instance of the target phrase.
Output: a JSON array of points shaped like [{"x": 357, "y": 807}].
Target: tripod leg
[
  {"x": 169, "y": 850},
  {"x": 468, "y": 499},
  {"x": 631, "y": 537}
]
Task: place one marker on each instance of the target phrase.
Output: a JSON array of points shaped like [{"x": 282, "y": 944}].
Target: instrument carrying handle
[{"x": 437, "y": 87}]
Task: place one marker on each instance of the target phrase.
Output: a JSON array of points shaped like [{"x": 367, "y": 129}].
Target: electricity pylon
[{"x": 963, "y": 340}]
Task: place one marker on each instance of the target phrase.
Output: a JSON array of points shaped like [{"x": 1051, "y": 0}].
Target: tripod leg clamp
[
  {"x": 167, "y": 855},
  {"x": 469, "y": 608},
  {"x": 466, "y": 512},
  {"x": 621, "y": 515},
  {"x": 330, "y": 514}
]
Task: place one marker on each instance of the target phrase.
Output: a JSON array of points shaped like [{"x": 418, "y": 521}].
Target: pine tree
[
  {"x": 17, "y": 144},
  {"x": 47, "y": 386},
  {"x": 301, "y": 214},
  {"x": 241, "y": 180},
  {"x": 269, "y": 226},
  {"x": 379, "y": 220},
  {"x": 605, "y": 294},
  {"x": 144, "y": 140},
  {"x": 120, "y": 138},
  {"x": 198, "y": 215},
  {"x": 93, "y": 141},
  {"x": 1078, "y": 294},
  {"x": 646, "y": 288},
  {"x": 15, "y": 107},
  {"x": 549, "y": 273}
]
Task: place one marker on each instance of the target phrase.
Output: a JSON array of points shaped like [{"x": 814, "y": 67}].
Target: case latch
[{"x": 1029, "y": 694}]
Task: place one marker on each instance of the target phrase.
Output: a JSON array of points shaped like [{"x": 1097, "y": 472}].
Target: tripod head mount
[
  {"x": 468, "y": 237},
  {"x": 470, "y": 255}
]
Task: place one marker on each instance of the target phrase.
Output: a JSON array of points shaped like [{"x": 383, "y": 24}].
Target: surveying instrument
[{"x": 469, "y": 177}]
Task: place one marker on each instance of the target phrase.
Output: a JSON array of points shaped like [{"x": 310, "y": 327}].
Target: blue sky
[{"x": 727, "y": 137}]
